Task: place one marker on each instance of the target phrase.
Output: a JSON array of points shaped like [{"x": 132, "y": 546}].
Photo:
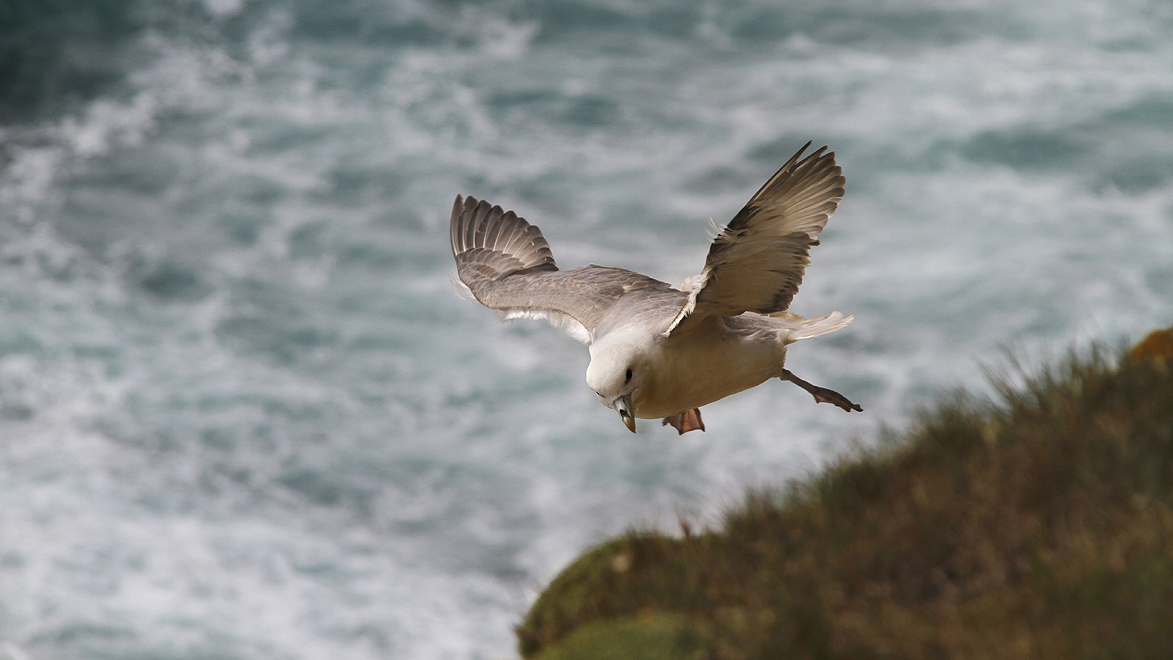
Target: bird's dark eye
[{"x": 629, "y": 374}]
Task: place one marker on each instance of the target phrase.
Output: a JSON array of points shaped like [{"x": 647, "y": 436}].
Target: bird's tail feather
[{"x": 801, "y": 328}]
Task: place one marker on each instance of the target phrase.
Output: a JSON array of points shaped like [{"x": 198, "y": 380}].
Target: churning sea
[{"x": 243, "y": 416}]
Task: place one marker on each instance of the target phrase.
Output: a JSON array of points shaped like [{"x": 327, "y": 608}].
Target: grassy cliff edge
[{"x": 1040, "y": 526}]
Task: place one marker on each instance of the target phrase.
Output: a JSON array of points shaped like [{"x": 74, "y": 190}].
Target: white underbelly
[{"x": 703, "y": 368}]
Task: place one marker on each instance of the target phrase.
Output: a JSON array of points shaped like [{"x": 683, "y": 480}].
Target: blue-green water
[{"x": 242, "y": 414}]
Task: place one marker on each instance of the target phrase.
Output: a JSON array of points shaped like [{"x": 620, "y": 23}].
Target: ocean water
[{"x": 243, "y": 416}]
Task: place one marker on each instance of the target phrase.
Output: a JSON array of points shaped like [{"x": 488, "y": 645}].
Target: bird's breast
[{"x": 704, "y": 365}]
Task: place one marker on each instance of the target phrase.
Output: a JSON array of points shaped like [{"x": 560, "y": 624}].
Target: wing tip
[{"x": 478, "y": 227}]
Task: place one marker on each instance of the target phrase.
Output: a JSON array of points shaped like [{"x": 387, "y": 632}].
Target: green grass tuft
[{"x": 1038, "y": 526}]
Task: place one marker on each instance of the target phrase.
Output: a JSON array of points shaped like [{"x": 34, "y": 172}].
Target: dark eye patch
[{"x": 629, "y": 374}]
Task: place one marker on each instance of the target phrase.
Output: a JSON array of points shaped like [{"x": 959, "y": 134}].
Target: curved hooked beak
[{"x": 623, "y": 407}]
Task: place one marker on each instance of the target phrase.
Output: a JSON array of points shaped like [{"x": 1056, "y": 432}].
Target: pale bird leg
[
  {"x": 821, "y": 394},
  {"x": 689, "y": 420}
]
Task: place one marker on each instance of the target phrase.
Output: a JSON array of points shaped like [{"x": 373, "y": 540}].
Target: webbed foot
[
  {"x": 689, "y": 420},
  {"x": 822, "y": 394}
]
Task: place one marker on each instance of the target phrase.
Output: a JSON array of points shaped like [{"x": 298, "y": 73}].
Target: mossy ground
[{"x": 1040, "y": 526}]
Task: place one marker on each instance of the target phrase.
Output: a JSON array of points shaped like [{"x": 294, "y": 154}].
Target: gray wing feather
[
  {"x": 756, "y": 263},
  {"x": 507, "y": 265},
  {"x": 498, "y": 240}
]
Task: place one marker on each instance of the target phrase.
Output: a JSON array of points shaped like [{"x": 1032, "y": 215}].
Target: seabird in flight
[{"x": 658, "y": 351}]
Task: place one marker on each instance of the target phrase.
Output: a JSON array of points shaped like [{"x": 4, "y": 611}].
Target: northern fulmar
[{"x": 658, "y": 351}]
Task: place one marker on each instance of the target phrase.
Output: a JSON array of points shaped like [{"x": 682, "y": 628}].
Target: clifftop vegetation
[{"x": 1036, "y": 526}]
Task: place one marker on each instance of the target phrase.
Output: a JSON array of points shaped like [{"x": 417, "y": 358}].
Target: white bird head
[{"x": 618, "y": 372}]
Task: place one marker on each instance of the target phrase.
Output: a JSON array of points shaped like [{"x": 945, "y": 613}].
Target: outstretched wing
[
  {"x": 507, "y": 265},
  {"x": 756, "y": 263}
]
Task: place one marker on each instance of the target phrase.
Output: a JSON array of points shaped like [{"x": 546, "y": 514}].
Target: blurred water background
[{"x": 242, "y": 414}]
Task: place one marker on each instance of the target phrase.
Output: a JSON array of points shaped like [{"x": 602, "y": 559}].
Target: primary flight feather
[{"x": 658, "y": 351}]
